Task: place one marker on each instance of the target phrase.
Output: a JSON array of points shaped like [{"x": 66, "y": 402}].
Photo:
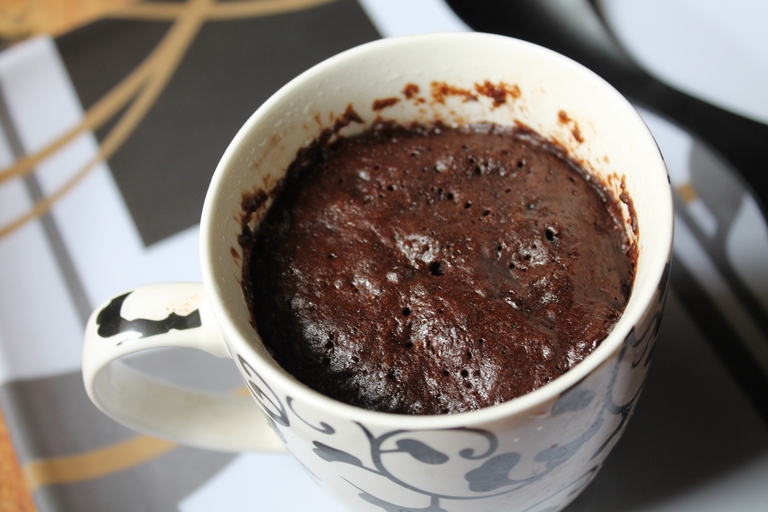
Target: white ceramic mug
[{"x": 533, "y": 453}]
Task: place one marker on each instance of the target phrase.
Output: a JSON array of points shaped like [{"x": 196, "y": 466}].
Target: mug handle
[{"x": 162, "y": 316}]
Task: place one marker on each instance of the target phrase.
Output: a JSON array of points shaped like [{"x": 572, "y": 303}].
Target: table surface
[
  {"x": 699, "y": 438},
  {"x": 19, "y": 20},
  {"x": 14, "y": 495}
]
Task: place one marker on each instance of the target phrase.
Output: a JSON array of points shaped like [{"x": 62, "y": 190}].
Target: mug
[{"x": 536, "y": 452}]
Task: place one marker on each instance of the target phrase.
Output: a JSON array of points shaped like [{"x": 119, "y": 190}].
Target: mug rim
[{"x": 641, "y": 296}]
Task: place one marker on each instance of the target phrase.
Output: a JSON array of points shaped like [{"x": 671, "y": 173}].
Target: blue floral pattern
[{"x": 478, "y": 469}]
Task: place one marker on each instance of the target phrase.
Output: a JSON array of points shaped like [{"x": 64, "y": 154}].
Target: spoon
[{"x": 575, "y": 28}]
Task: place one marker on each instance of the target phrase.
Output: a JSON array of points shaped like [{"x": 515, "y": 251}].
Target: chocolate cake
[{"x": 430, "y": 270}]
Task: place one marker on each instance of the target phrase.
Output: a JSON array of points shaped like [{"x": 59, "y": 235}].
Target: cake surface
[{"x": 432, "y": 270}]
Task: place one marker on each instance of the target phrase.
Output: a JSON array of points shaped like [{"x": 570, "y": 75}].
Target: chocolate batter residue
[{"x": 429, "y": 270}]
